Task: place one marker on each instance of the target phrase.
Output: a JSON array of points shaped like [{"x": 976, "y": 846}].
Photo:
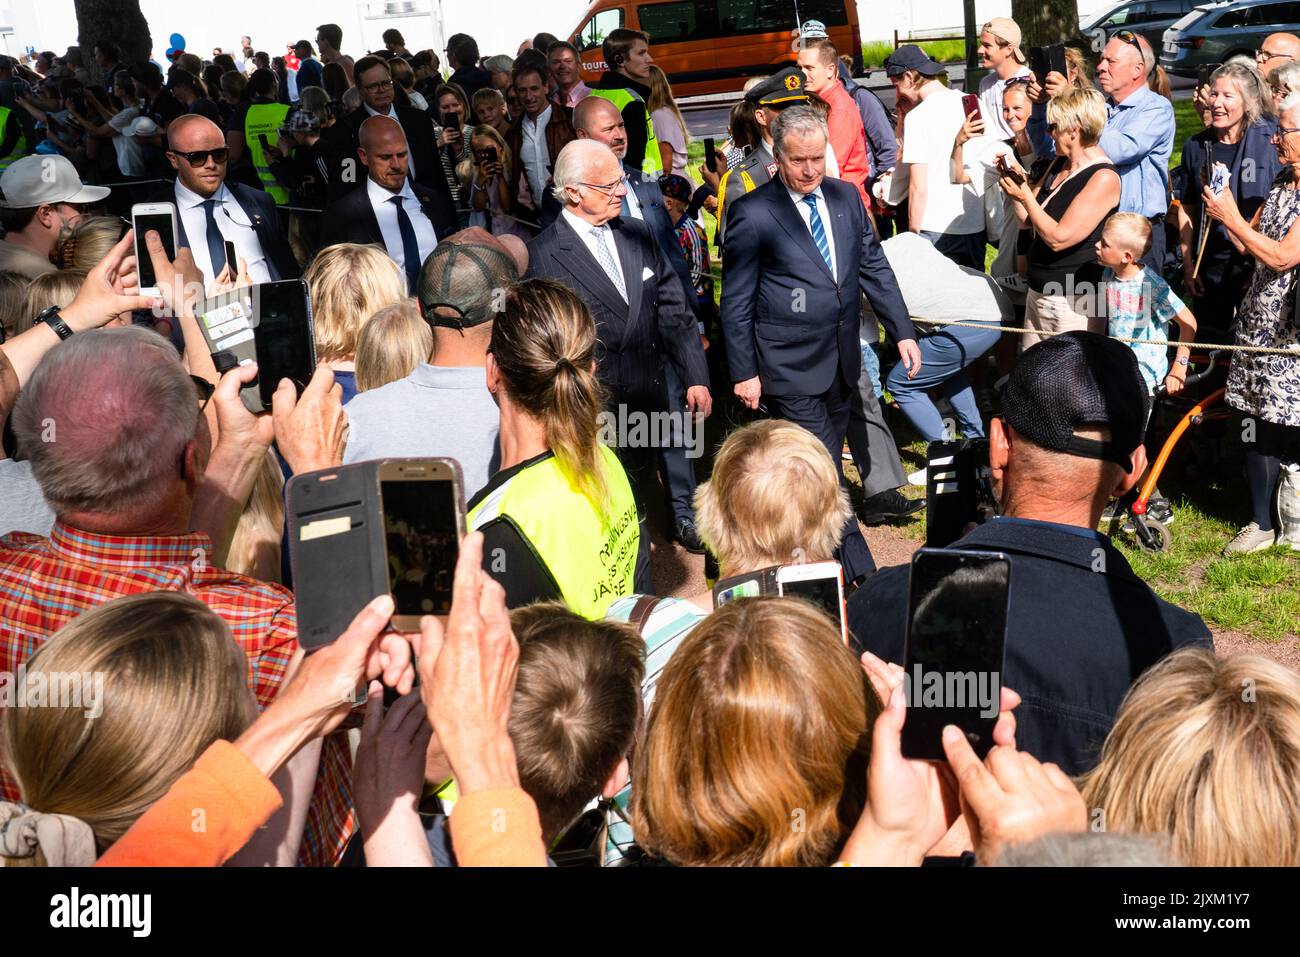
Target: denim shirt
[{"x": 1139, "y": 139}]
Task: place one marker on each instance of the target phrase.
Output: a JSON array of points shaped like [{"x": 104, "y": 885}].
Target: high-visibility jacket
[
  {"x": 590, "y": 552},
  {"x": 20, "y": 148},
  {"x": 653, "y": 163},
  {"x": 265, "y": 119}
]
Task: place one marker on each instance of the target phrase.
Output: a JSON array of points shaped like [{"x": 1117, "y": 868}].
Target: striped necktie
[{"x": 819, "y": 231}]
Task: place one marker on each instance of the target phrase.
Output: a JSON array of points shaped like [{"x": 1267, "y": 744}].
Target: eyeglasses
[
  {"x": 1131, "y": 38},
  {"x": 1282, "y": 131},
  {"x": 1263, "y": 56},
  {"x": 607, "y": 190},
  {"x": 376, "y": 87},
  {"x": 199, "y": 158},
  {"x": 204, "y": 388}
]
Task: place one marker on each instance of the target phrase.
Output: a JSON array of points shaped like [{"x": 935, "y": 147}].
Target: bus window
[
  {"x": 594, "y": 31},
  {"x": 668, "y": 22}
]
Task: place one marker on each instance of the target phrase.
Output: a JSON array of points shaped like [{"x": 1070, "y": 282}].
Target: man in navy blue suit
[
  {"x": 211, "y": 211},
  {"x": 800, "y": 252}
]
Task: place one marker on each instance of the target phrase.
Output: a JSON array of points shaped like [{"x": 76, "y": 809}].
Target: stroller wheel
[{"x": 1152, "y": 534}]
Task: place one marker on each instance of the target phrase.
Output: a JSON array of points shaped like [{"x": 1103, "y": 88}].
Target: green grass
[
  {"x": 941, "y": 51},
  {"x": 1187, "y": 123}
]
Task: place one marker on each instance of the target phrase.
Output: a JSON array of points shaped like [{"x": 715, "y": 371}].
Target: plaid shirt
[
  {"x": 695, "y": 249},
  {"x": 45, "y": 583}
]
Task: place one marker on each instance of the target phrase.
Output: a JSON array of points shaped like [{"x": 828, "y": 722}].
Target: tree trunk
[
  {"x": 1046, "y": 21},
  {"x": 118, "y": 20}
]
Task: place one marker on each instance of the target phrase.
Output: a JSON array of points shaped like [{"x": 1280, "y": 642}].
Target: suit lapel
[
  {"x": 839, "y": 222},
  {"x": 577, "y": 259},
  {"x": 792, "y": 222},
  {"x": 629, "y": 257},
  {"x": 369, "y": 221}
]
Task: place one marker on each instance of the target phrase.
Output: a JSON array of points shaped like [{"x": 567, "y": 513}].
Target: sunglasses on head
[
  {"x": 1131, "y": 38},
  {"x": 199, "y": 158}
]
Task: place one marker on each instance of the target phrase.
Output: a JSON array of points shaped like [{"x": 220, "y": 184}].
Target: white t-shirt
[
  {"x": 991, "y": 90},
  {"x": 130, "y": 157},
  {"x": 979, "y": 157},
  {"x": 928, "y": 135}
]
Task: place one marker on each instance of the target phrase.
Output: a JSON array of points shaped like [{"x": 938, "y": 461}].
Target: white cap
[
  {"x": 814, "y": 30},
  {"x": 46, "y": 180},
  {"x": 141, "y": 126}
]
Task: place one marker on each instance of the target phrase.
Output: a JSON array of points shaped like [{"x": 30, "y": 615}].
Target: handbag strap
[{"x": 642, "y": 609}]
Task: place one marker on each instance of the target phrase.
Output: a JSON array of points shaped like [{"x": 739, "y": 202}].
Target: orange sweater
[
  {"x": 497, "y": 828},
  {"x": 208, "y": 814}
]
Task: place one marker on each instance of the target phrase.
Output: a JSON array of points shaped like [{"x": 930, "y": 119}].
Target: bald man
[
  {"x": 1278, "y": 49},
  {"x": 407, "y": 219},
  {"x": 213, "y": 212}
]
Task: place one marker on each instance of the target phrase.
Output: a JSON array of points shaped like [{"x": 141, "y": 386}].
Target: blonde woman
[
  {"x": 1206, "y": 750},
  {"x": 349, "y": 283},
  {"x": 85, "y": 245},
  {"x": 161, "y": 681},
  {"x": 1282, "y": 82},
  {"x": 558, "y": 519},
  {"x": 486, "y": 176},
  {"x": 13, "y": 301},
  {"x": 670, "y": 129},
  {"x": 764, "y": 676},
  {"x": 393, "y": 342},
  {"x": 53, "y": 289},
  {"x": 255, "y": 546}
]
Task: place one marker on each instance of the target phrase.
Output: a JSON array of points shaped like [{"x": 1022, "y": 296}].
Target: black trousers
[{"x": 827, "y": 417}]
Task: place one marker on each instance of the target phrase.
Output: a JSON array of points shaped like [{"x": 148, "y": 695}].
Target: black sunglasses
[
  {"x": 1131, "y": 38},
  {"x": 199, "y": 158}
]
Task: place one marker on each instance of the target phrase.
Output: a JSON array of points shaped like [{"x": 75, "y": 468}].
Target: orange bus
[{"x": 714, "y": 46}]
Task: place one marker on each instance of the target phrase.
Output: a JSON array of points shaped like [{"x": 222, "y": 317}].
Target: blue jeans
[
  {"x": 871, "y": 363},
  {"x": 945, "y": 354}
]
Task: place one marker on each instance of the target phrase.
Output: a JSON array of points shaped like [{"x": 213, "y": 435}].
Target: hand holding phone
[
  {"x": 160, "y": 218},
  {"x": 710, "y": 155},
  {"x": 970, "y": 104}
]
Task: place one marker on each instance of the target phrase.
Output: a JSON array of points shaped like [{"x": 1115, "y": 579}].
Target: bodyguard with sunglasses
[
  {"x": 1139, "y": 134},
  {"x": 212, "y": 211}
]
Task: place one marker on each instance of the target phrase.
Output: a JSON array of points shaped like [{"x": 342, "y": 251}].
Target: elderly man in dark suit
[
  {"x": 800, "y": 250},
  {"x": 341, "y": 140},
  {"x": 617, "y": 268},
  {"x": 406, "y": 219}
]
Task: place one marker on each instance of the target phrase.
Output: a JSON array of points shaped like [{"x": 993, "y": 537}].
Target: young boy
[
  {"x": 677, "y": 199},
  {"x": 1140, "y": 304}
]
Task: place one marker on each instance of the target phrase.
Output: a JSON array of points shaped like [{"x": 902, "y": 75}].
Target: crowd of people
[{"x": 501, "y": 261}]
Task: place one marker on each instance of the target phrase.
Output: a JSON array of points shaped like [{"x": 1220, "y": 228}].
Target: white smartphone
[
  {"x": 821, "y": 583},
  {"x": 161, "y": 218}
]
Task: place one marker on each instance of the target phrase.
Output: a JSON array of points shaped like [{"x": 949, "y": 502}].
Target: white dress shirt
[
  {"x": 534, "y": 154},
  {"x": 633, "y": 200},
  {"x": 824, "y": 213},
  {"x": 233, "y": 222},
  {"x": 584, "y": 228},
  {"x": 392, "y": 110},
  {"x": 386, "y": 213}
]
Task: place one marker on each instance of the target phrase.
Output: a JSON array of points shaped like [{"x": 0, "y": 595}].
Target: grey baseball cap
[{"x": 46, "y": 180}]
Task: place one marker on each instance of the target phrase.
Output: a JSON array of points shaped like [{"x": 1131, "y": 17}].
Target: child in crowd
[
  {"x": 1139, "y": 303},
  {"x": 677, "y": 192}
]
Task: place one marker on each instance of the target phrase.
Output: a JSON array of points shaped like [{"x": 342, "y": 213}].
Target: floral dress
[{"x": 1259, "y": 383}]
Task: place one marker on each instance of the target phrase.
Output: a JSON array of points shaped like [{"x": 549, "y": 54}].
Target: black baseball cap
[
  {"x": 466, "y": 278},
  {"x": 1078, "y": 380},
  {"x": 911, "y": 57}
]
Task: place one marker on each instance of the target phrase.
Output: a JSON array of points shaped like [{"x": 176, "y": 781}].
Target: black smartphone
[
  {"x": 1039, "y": 64},
  {"x": 956, "y": 635},
  {"x": 448, "y": 121},
  {"x": 266, "y": 144},
  {"x": 283, "y": 339},
  {"x": 232, "y": 260},
  {"x": 423, "y": 509},
  {"x": 1056, "y": 58},
  {"x": 1203, "y": 73},
  {"x": 710, "y": 155},
  {"x": 488, "y": 155}
]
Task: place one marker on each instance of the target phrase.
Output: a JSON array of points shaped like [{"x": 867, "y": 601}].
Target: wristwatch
[
  {"x": 1182, "y": 360},
  {"x": 55, "y": 321}
]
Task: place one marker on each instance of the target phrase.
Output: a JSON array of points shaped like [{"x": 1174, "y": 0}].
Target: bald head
[
  {"x": 1277, "y": 50},
  {"x": 192, "y": 137},
  {"x": 598, "y": 119},
  {"x": 384, "y": 152}
]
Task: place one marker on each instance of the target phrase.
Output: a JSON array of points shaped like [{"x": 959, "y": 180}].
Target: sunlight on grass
[{"x": 941, "y": 51}]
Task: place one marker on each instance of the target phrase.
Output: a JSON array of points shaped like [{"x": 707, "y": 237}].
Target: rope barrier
[{"x": 1199, "y": 346}]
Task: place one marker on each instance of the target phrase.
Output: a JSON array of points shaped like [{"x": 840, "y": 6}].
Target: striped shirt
[
  {"x": 46, "y": 582},
  {"x": 670, "y": 621}
]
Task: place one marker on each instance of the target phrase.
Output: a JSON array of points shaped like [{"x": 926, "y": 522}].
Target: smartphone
[
  {"x": 821, "y": 583},
  {"x": 1203, "y": 73},
  {"x": 1056, "y": 58},
  {"x": 448, "y": 121},
  {"x": 266, "y": 144},
  {"x": 423, "y": 506},
  {"x": 488, "y": 155},
  {"x": 970, "y": 104},
  {"x": 956, "y": 636},
  {"x": 1039, "y": 64},
  {"x": 161, "y": 218},
  {"x": 748, "y": 585},
  {"x": 710, "y": 155},
  {"x": 232, "y": 260},
  {"x": 1006, "y": 169},
  {"x": 269, "y": 324}
]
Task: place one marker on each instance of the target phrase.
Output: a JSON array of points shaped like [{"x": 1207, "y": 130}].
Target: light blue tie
[
  {"x": 819, "y": 231},
  {"x": 607, "y": 262}
]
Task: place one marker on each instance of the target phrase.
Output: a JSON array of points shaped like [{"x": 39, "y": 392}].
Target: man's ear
[
  {"x": 1130, "y": 478},
  {"x": 192, "y": 465},
  {"x": 171, "y": 158},
  {"x": 361, "y": 155},
  {"x": 617, "y": 780},
  {"x": 999, "y": 447}
]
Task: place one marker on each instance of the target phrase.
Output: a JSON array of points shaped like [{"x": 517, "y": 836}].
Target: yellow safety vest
[
  {"x": 590, "y": 554},
  {"x": 653, "y": 164},
  {"x": 747, "y": 181},
  {"x": 20, "y": 148},
  {"x": 266, "y": 119}
]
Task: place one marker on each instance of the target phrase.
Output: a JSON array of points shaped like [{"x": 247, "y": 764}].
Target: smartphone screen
[
  {"x": 1039, "y": 64},
  {"x": 957, "y": 620},
  {"x": 710, "y": 155},
  {"x": 161, "y": 223},
  {"x": 420, "y": 529},
  {"x": 748, "y": 589},
  {"x": 232, "y": 260},
  {"x": 822, "y": 592},
  {"x": 283, "y": 336}
]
